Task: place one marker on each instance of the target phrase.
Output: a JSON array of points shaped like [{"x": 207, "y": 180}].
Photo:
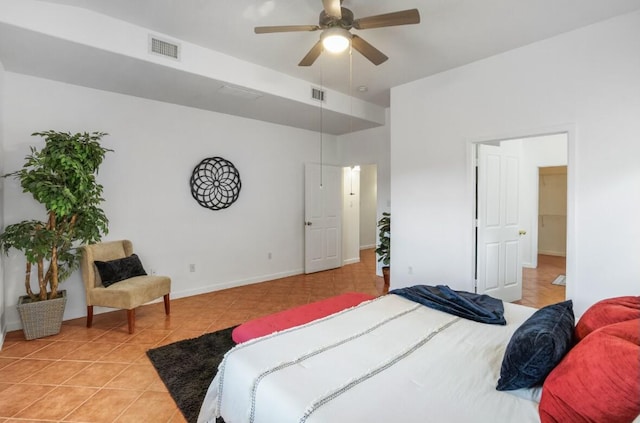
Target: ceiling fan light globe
[{"x": 336, "y": 40}]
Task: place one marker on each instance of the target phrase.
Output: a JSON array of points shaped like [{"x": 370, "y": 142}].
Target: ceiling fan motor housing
[{"x": 346, "y": 21}]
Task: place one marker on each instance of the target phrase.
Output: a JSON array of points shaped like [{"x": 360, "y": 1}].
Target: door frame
[{"x": 571, "y": 131}]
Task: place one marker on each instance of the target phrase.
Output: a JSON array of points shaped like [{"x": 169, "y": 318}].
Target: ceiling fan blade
[
  {"x": 332, "y": 8},
  {"x": 405, "y": 17},
  {"x": 313, "y": 54},
  {"x": 285, "y": 28},
  {"x": 367, "y": 50}
]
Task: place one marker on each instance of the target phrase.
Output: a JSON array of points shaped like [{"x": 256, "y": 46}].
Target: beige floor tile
[
  {"x": 96, "y": 375},
  {"x": 157, "y": 385},
  {"x": 58, "y": 403},
  {"x": 82, "y": 333},
  {"x": 57, "y": 373},
  {"x": 22, "y": 369},
  {"x": 137, "y": 377},
  {"x": 117, "y": 335},
  {"x": 91, "y": 351},
  {"x": 127, "y": 353},
  {"x": 18, "y": 397},
  {"x": 23, "y": 348},
  {"x": 104, "y": 407},
  {"x": 4, "y": 362},
  {"x": 177, "y": 417},
  {"x": 148, "y": 336},
  {"x": 56, "y": 350},
  {"x": 180, "y": 335},
  {"x": 149, "y": 407}
]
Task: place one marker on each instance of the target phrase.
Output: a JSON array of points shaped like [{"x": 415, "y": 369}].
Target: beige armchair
[{"x": 126, "y": 294}]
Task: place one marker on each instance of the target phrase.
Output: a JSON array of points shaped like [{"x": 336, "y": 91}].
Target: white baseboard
[
  {"x": 16, "y": 324},
  {"x": 553, "y": 253},
  {"x": 366, "y": 247},
  {"x": 234, "y": 284},
  {"x": 351, "y": 261},
  {"x": 3, "y": 334}
]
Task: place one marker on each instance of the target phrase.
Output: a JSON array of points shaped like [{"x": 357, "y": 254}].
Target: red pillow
[
  {"x": 606, "y": 312},
  {"x": 598, "y": 380}
]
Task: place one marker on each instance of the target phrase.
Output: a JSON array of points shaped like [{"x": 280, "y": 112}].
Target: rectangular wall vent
[
  {"x": 164, "y": 48},
  {"x": 317, "y": 94}
]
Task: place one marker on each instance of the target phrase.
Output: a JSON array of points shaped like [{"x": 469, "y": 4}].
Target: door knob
[
  {"x": 522, "y": 232},
  {"x": 308, "y": 223}
]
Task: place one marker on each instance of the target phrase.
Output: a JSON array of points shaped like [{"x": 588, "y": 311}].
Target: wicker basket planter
[{"x": 41, "y": 318}]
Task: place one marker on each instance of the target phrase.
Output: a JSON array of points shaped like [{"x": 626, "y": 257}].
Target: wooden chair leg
[
  {"x": 167, "y": 305},
  {"x": 131, "y": 317},
  {"x": 89, "y": 316}
]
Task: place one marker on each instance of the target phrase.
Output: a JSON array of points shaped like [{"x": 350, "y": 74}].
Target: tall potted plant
[
  {"x": 384, "y": 247},
  {"x": 62, "y": 177}
]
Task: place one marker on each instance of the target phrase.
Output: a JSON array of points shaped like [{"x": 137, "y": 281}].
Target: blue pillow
[
  {"x": 120, "y": 269},
  {"x": 537, "y": 346}
]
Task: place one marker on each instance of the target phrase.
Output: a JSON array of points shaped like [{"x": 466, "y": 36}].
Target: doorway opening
[
  {"x": 515, "y": 225},
  {"x": 340, "y": 215},
  {"x": 360, "y": 197}
]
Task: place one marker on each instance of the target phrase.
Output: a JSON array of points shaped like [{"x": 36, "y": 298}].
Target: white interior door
[
  {"x": 323, "y": 217},
  {"x": 499, "y": 265}
]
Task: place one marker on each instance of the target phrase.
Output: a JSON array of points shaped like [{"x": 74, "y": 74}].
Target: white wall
[
  {"x": 368, "y": 206},
  {"x": 371, "y": 146},
  {"x": 552, "y": 212},
  {"x": 358, "y": 211},
  {"x": 586, "y": 82},
  {"x": 537, "y": 152},
  {"x": 350, "y": 215},
  {"x": 146, "y": 180},
  {"x": 2, "y": 285}
]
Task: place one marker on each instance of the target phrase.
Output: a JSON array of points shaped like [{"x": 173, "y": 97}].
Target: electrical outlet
[
  {"x": 153, "y": 272},
  {"x": 269, "y": 255},
  {"x": 192, "y": 267},
  {"x": 410, "y": 270}
]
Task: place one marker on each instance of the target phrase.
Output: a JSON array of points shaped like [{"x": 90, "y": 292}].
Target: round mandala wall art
[{"x": 215, "y": 183}]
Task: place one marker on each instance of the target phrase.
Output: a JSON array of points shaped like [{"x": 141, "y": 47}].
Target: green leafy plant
[
  {"x": 62, "y": 177},
  {"x": 384, "y": 234}
]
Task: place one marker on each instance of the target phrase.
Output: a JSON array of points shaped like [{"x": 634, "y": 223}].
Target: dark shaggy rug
[{"x": 188, "y": 367}]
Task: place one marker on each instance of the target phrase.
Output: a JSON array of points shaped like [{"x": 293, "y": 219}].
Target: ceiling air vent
[
  {"x": 164, "y": 48},
  {"x": 317, "y": 94}
]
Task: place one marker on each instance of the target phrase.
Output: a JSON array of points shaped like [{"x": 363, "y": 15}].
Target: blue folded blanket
[{"x": 480, "y": 308}]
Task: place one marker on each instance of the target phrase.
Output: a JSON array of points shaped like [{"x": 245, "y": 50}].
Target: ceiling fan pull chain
[
  {"x": 350, "y": 89},
  {"x": 321, "y": 120}
]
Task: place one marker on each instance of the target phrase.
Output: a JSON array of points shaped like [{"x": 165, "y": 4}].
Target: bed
[{"x": 386, "y": 360}]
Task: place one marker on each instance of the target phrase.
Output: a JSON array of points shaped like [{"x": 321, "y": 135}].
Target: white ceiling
[{"x": 451, "y": 33}]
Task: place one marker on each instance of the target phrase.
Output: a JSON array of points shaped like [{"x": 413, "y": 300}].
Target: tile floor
[
  {"x": 537, "y": 289},
  {"x": 102, "y": 374}
]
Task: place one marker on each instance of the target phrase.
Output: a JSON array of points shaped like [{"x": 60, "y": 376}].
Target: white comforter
[{"x": 387, "y": 360}]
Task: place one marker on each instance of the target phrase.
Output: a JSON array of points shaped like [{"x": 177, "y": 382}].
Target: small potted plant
[
  {"x": 62, "y": 177},
  {"x": 384, "y": 247}
]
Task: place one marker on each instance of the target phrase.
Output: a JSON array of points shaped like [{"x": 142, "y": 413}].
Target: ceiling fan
[{"x": 336, "y": 21}]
